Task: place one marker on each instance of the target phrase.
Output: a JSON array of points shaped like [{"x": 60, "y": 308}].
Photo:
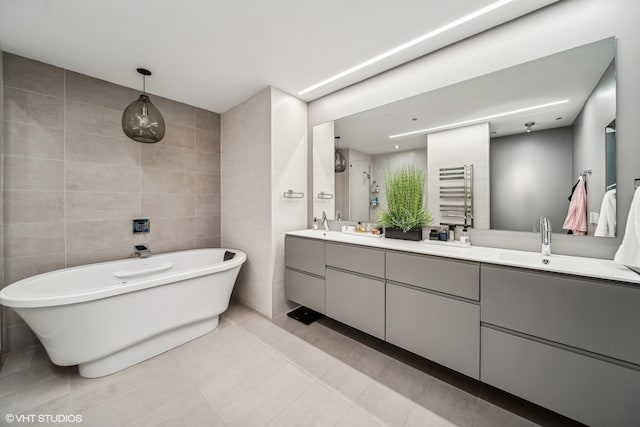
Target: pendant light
[
  {"x": 341, "y": 162},
  {"x": 141, "y": 120}
]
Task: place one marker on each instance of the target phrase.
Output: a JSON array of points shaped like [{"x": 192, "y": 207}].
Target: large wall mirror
[{"x": 500, "y": 150}]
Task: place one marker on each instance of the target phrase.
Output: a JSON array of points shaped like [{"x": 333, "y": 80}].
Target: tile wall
[
  {"x": 73, "y": 182},
  {"x": 265, "y": 154}
]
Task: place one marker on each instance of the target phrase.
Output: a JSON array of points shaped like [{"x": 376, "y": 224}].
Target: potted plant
[{"x": 406, "y": 213}]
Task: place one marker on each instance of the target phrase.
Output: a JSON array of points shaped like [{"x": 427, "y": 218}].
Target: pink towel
[{"x": 577, "y": 216}]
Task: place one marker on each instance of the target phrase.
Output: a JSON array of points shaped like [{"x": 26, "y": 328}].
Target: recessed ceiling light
[
  {"x": 479, "y": 119},
  {"x": 409, "y": 44},
  {"x": 396, "y": 146},
  {"x": 414, "y": 119}
]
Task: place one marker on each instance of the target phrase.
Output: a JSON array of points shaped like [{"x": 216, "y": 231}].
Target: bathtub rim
[{"x": 8, "y": 297}]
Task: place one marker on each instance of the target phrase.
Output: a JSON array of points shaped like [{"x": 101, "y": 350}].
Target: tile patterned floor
[{"x": 252, "y": 371}]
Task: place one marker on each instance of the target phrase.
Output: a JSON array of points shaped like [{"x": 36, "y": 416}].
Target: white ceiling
[
  {"x": 215, "y": 54},
  {"x": 571, "y": 75}
]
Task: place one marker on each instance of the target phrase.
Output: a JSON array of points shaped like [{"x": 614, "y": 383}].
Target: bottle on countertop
[
  {"x": 452, "y": 232},
  {"x": 443, "y": 235},
  {"x": 315, "y": 224},
  {"x": 465, "y": 235}
]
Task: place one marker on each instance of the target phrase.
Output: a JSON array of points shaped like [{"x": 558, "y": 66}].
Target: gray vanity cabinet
[
  {"x": 304, "y": 280},
  {"x": 432, "y": 309},
  {"x": 356, "y": 300},
  {"x": 355, "y": 287},
  {"x": 454, "y": 277},
  {"x": 369, "y": 261},
  {"x": 443, "y": 329},
  {"x": 589, "y": 314},
  {"x": 567, "y": 343},
  {"x": 593, "y": 391}
]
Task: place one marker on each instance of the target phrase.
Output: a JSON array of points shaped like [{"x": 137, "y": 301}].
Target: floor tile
[
  {"x": 346, "y": 380},
  {"x": 237, "y": 311},
  {"x": 404, "y": 379},
  {"x": 319, "y": 406},
  {"x": 139, "y": 402},
  {"x": 385, "y": 404},
  {"x": 263, "y": 403},
  {"x": 187, "y": 409},
  {"x": 85, "y": 393},
  {"x": 223, "y": 383},
  {"x": 449, "y": 402},
  {"x": 35, "y": 374},
  {"x": 358, "y": 417},
  {"x": 421, "y": 417},
  {"x": 23, "y": 359},
  {"x": 35, "y": 395},
  {"x": 489, "y": 415}
]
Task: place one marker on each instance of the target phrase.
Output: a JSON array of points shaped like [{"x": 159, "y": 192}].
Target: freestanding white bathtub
[{"x": 109, "y": 316}]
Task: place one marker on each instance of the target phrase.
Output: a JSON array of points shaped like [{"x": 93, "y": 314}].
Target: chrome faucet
[
  {"x": 142, "y": 251},
  {"x": 325, "y": 221},
  {"x": 545, "y": 235}
]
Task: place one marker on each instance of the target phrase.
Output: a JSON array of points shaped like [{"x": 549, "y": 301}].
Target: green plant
[{"x": 405, "y": 199}]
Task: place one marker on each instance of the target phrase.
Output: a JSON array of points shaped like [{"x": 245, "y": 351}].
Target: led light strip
[
  {"x": 479, "y": 119},
  {"x": 409, "y": 44}
]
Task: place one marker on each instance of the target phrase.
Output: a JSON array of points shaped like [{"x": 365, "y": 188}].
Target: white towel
[
  {"x": 607, "y": 220},
  {"x": 629, "y": 251}
]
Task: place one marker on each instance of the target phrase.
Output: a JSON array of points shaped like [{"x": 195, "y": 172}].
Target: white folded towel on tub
[{"x": 629, "y": 251}]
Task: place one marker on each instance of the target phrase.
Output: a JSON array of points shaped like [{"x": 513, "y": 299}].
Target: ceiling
[
  {"x": 216, "y": 54},
  {"x": 572, "y": 75}
]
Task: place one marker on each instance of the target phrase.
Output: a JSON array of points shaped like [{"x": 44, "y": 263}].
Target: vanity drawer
[
  {"x": 304, "y": 254},
  {"x": 356, "y": 258},
  {"x": 305, "y": 289},
  {"x": 592, "y": 391},
  {"x": 357, "y": 301},
  {"x": 439, "y": 328},
  {"x": 460, "y": 278},
  {"x": 594, "y": 315}
]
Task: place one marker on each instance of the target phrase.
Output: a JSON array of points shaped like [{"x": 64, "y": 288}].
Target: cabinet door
[
  {"x": 356, "y": 258},
  {"x": 459, "y": 278},
  {"x": 592, "y": 391},
  {"x": 438, "y": 328},
  {"x": 602, "y": 317},
  {"x": 304, "y": 254},
  {"x": 356, "y": 300},
  {"x": 305, "y": 289}
]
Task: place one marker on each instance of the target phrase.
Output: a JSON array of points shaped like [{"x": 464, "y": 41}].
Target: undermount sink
[{"x": 556, "y": 262}]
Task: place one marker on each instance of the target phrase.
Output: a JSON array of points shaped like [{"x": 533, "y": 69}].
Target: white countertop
[{"x": 579, "y": 266}]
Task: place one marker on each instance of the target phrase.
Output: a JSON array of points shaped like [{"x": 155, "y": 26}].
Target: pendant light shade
[
  {"x": 141, "y": 120},
  {"x": 341, "y": 162}
]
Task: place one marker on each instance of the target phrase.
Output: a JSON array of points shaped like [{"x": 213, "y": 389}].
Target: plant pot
[{"x": 397, "y": 233}]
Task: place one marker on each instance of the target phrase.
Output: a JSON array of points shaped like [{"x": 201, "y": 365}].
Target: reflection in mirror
[{"x": 530, "y": 131}]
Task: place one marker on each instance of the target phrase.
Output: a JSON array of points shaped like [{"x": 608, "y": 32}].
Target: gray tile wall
[{"x": 73, "y": 182}]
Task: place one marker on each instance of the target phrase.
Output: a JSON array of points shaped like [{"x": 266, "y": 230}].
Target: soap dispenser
[{"x": 464, "y": 238}]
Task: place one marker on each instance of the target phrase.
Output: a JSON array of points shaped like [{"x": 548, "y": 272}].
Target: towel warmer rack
[{"x": 456, "y": 195}]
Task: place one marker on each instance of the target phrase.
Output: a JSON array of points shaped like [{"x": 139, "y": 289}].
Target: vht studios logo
[{"x": 43, "y": 418}]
